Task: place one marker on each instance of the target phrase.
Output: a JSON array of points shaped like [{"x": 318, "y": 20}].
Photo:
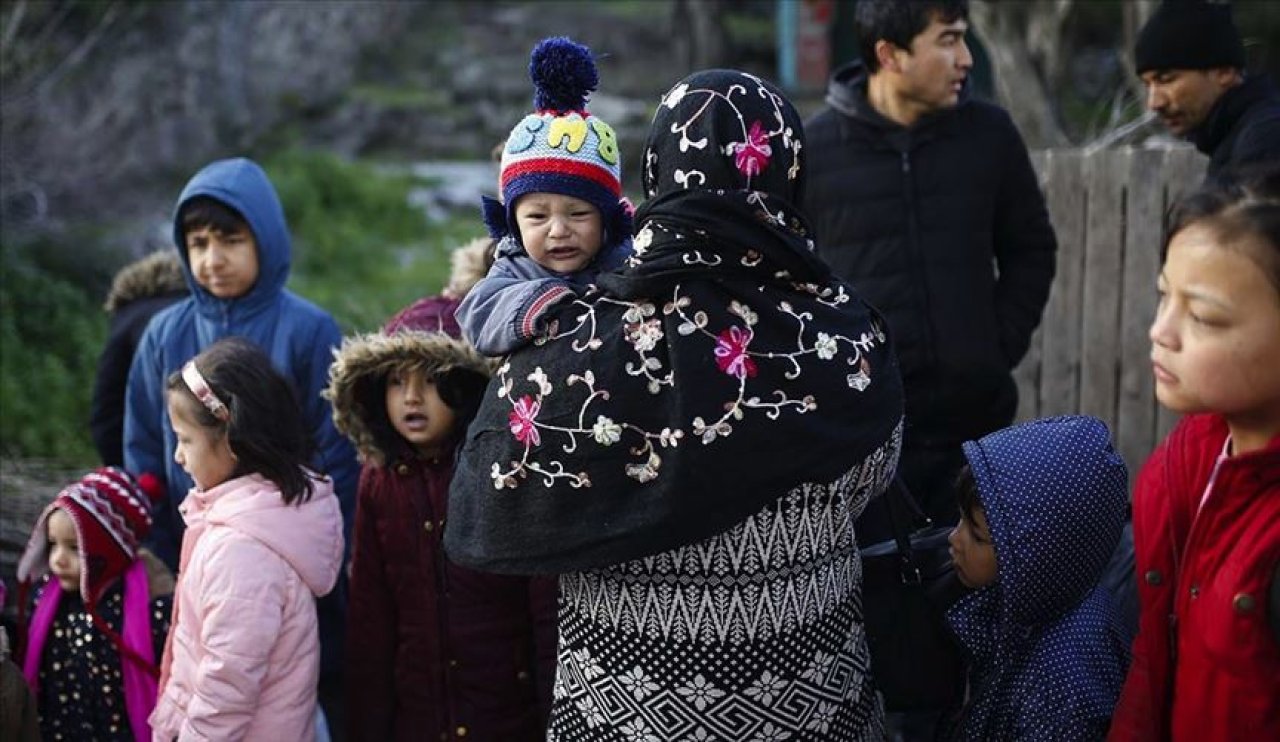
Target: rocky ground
[{"x": 26, "y": 486}]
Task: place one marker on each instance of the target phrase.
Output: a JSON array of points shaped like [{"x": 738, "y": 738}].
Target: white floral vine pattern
[
  {"x": 751, "y": 154},
  {"x": 644, "y": 332}
]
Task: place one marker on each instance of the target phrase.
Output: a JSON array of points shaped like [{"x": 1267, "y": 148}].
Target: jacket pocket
[{"x": 1232, "y": 611}]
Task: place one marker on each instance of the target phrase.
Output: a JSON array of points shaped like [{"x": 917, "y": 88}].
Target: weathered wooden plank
[
  {"x": 1026, "y": 377},
  {"x": 1060, "y": 328},
  {"x": 1136, "y": 406},
  {"x": 1104, "y": 254}
]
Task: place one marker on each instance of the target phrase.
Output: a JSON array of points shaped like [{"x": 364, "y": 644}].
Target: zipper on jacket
[{"x": 918, "y": 261}]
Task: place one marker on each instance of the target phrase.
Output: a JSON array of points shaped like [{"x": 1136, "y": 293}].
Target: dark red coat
[
  {"x": 434, "y": 651},
  {"x": 1204, "y": 579},
  {"x": 434, "y": 648}
]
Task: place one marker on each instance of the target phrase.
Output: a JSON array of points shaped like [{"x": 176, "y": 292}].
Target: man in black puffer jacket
[{"x": 927, "y": 203}]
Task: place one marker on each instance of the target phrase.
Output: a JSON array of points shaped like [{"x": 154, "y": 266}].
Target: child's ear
[{"x": 226, "y": 441}]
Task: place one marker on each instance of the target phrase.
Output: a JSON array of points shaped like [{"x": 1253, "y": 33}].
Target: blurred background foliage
[
  {"x": 361, "y": 251},
  {"x": 108, "y": 106}
]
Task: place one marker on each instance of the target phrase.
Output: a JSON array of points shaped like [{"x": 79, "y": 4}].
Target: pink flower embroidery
[
  {"x": 752, "y": 156},
  {"x": 521, "y": 420},
  {"x": 731, "y": 352}
]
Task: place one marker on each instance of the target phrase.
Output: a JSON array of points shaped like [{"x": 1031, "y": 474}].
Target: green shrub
[
  {"x": 51, "y": 332},
  {"x": 360, "y": 250}
]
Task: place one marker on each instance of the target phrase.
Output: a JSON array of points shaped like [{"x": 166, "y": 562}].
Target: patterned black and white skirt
[{"x": 754, "y": 634}]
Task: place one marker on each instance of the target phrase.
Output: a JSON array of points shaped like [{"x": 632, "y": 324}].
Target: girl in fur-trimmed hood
[{"x": 433, "y": 649}]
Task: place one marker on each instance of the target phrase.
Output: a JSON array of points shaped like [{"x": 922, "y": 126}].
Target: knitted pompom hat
[
  {"x": 560, "y": 147},
  {"x": 1189, "y": 35},
  {"x": 111, "y": 512}
]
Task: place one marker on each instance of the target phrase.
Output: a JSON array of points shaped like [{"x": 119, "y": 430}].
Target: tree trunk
[
  {"x": 699, "y": 32},
  {"x": 1136, "y": 13},
  {"x": 1027, "y": 50}
]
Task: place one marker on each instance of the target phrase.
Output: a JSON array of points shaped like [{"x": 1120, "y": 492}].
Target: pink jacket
[{"x": 244, "y": 653}]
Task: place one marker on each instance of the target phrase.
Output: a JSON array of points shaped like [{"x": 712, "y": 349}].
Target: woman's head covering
[
  {"x": 725, "y": 130},
  {"x": 638, "y": 425}
]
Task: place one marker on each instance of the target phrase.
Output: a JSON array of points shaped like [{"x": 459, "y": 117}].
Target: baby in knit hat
[
  {"x": 562, "y": 219},
  {"x": 98, "y": 624}
]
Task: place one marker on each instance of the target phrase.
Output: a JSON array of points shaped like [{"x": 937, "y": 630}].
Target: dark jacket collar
[{"x": 1230, "y": 108}]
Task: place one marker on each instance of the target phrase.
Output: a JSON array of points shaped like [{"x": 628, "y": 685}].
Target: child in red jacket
[
  {"x": 434, "y": 650},
  {"x": 1206, "y": 662}
]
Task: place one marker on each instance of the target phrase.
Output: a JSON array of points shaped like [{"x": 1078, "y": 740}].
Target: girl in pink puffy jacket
[{"x": 263, "y": 541}]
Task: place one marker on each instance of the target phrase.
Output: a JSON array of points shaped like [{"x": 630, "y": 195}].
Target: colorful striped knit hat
[
  {"x": 560, "y": 147},
  {"x": 112, "y": 513}
]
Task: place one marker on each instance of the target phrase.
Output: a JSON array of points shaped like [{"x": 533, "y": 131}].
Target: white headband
[{"x": 204, "y": 393}]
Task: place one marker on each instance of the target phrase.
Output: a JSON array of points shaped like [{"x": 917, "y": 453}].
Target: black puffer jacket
[
  {"x": 1243, "y": 128},
  {"x": 943, "y": 228},
  {"x": 138, "y": 291}
]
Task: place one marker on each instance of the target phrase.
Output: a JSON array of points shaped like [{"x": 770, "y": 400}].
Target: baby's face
[
  {"x": 64, "y": 550},
  {"x": 561, "y": 233}
]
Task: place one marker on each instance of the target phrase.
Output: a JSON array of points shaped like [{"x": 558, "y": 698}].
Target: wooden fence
[{"x": 1091, "y": 354}]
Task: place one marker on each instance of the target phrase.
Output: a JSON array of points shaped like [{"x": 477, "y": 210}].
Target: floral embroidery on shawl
[{"x": 731, "y": 351}]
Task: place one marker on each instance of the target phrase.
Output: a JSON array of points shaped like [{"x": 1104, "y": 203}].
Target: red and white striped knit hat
[{"x": 112, "y": 514}]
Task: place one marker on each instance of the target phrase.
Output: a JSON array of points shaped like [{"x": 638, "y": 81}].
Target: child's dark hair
[
  {"x": 898, "y": 22},
  {"x": 265, "y": 428},
  {"x": 967, "y": 493},
  {"x": 460, "y": 388},
  {"x": 1243, "y": 204},
  {"x": 206, "y": 212}
]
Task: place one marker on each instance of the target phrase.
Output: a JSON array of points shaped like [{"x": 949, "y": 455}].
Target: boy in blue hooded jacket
[
  {"x": 1042, "y": 506},
  {"x": 233, "y": 242}
]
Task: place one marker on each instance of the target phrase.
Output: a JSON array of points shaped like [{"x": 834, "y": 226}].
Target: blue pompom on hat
[{"x": 561, "y": 148}]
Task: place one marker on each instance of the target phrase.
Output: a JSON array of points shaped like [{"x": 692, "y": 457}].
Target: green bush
[
  {"x": 51, "y": 332},
  {"x": 360, "y": 250}
]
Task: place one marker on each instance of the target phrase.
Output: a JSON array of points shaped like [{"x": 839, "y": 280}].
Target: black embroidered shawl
[{"x": 722, "y": 367}]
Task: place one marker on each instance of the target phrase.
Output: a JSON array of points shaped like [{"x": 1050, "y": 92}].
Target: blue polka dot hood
[{"x": 1043, "y": 637}]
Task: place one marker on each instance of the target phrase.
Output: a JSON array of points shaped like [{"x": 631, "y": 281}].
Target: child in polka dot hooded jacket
[{"x": 1042, "y": 504}]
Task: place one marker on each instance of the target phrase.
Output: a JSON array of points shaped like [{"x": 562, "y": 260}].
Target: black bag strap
[{"x": 901, "y": 499}]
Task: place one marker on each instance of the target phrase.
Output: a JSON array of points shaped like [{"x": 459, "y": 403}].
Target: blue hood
[
  {"x": 1055, "y": 494},
  {"x": 1046, "y": 652},
  {"x": 241, "y": 184}
]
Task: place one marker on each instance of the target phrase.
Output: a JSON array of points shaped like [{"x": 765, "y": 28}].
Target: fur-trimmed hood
[
  {"x": 471, "y": 263},
  {"x": 157, "y": 274},
  {"x": 364, "y": 358}
]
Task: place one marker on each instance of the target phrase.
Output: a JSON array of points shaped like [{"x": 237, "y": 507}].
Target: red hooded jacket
[{"x": 1206, "y": 664}]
